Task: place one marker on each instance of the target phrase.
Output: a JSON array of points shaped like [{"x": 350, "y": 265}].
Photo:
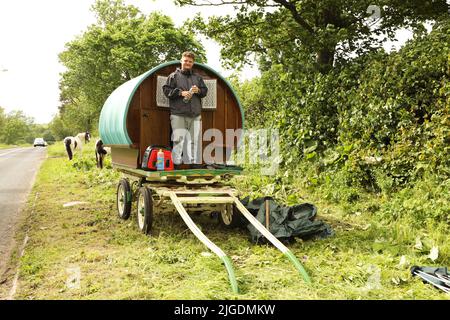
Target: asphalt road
[{"x": 18, "y": 168}]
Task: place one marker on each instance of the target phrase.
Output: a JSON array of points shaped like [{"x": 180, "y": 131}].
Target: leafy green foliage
[
  {"x": 2, "y": 119},
  {"x": 309, "y": 34},
  {"x": 16, "y": 127},
  {"x": 120, "y": 46},
  {"x": 83, "y": 163},
  {"x": 379, "y": 124}
]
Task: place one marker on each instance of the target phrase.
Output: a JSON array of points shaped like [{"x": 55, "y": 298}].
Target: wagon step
[{"x": 179, "y": 197}]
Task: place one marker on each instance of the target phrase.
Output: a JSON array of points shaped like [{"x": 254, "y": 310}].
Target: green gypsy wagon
[{"x": 135, "y": 116}]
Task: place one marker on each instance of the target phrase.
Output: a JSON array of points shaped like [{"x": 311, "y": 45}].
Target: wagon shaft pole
[
  {"x": 269, "y": 236},
  {"x": 199, "y": 234}
]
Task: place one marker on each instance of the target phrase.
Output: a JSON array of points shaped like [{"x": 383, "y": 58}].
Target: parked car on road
[{"x": 39, "y": 142}]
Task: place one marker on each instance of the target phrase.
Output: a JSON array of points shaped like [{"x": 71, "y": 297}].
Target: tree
[
  {"x": 2, "y": 120},
  {"x": 59, "y": 129},
  {"x": 17, "y": 128},
  {"x": 309, "y": 33},
  {"x": 48, "y": 136},
  {"x": 120, "y": 46},
  {"x": 41, "y": 131}
]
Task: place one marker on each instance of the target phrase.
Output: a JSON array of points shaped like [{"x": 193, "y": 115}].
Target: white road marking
[
  {"x": 14, "y": 286},
  {"x": 17, "y": 149},
  {"x": 3, "y": 154}
]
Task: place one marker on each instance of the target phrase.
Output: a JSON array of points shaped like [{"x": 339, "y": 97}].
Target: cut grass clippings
[{"x": 86, "y": 252}]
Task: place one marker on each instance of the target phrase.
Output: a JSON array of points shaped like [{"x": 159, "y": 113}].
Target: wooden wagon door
[{"x": 155, "y": 121}]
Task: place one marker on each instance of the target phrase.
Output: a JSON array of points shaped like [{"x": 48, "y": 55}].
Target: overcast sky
[{"x": 33, "y": 33}]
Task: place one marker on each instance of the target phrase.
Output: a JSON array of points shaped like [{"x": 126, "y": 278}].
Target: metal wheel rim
[
  {"x": 227, "y": 215},
  {"x": 141, "y": 211},
  {"x": 121, "y": 200}
]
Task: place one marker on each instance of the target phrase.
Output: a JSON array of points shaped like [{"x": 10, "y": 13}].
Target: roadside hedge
[{"x": 379, "y": 123}]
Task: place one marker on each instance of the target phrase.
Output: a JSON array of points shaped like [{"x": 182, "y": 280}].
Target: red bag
[{"x": 150, "y": 157}]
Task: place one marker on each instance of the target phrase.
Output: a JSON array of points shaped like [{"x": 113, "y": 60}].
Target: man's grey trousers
[{"x": 185, "y": 137}]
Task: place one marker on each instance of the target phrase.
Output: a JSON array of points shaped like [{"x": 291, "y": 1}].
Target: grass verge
[{"x": 364, "y": 260}]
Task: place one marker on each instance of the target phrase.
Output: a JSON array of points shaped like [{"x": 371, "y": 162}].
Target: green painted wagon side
[{"x": 113, "y": 117}]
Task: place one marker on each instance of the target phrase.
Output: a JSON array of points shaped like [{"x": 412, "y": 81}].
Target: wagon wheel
[
  {"x": 124, "y": 199},
  {"x": 145, "y": 210},
  {"x": 230, "y": 217}
]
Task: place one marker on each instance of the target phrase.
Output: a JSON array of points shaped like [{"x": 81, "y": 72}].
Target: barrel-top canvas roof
[{"x": 113, "y": 117}]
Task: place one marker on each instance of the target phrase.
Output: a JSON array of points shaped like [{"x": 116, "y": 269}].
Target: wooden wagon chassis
[{"x": 190, "y": 191}]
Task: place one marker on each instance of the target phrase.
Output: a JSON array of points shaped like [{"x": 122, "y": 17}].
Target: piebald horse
[
  {"x": 72, "y": 143},
  {"x": 100, "y": 152}
]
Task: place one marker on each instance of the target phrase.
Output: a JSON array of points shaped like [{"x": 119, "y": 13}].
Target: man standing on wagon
[{"x": 185, "y": 89}]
